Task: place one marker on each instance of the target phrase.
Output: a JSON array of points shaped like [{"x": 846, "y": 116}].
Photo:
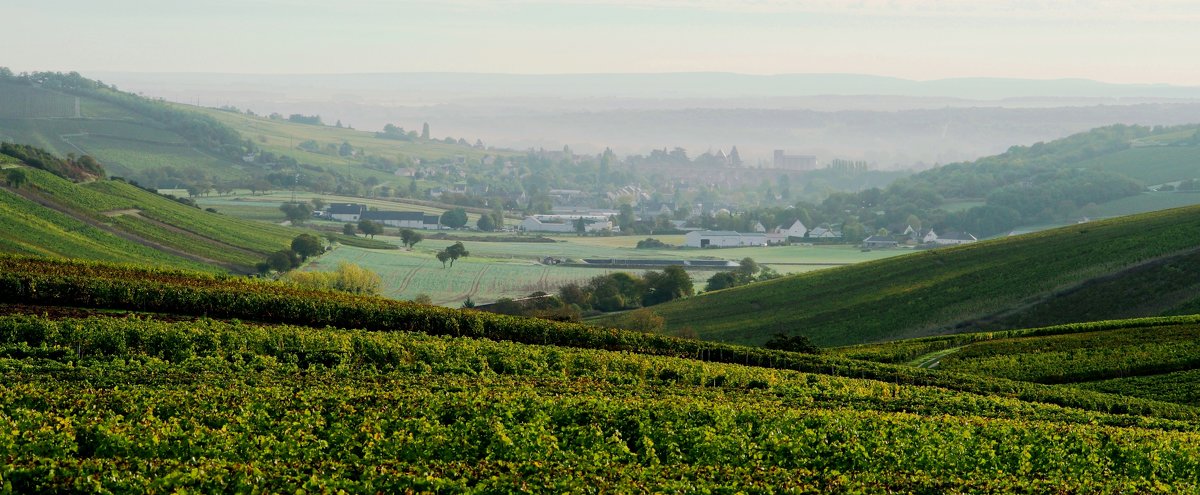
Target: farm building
[
  {"x": 404, "y": 219},
  {"x": 824, "y": 233},
  {"x": 565, "y": 223},
  {"x": 954, "y": 239},
  {"x": 346, "y": 212},
  {"x": 880, "y": 241},
  {"x": 723, "y": 238}
]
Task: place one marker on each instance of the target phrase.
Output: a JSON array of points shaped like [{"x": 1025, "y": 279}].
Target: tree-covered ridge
[
  {"x": 1042, "y": 183},
  {"x": 77, "y": 169}
]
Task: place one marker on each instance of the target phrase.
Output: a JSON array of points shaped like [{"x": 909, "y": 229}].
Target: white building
[
  {"x": 404, "y": 219},
  {"x": 723, "y": 238},
  {"x": 954, "y": 239},
  {"x": 797, "y": 229},
  {"x": 346, "y": 212},
  {"x": 565, "y": 223}
]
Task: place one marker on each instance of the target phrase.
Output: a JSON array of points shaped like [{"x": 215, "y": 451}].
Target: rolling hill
[
  {"x": 206, "y": 383},
  {"x": 1151, "y": 358},
  {"x": 114, "y": 221},
  {"x": 171, "y": 146},
  {"x": 1141, "y": 265}
]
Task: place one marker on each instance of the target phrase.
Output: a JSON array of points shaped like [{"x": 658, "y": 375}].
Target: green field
[
  {"x": 1146, "y": 262},
  {"x": 1149, "y": 201},
  {"x": 512, "y": 269},
  {"x": 220, "y": 392}
]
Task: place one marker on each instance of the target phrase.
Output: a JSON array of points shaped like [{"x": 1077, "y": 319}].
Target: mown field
[
  {"x": 1050, "y": 277},
  {"x": 415, "y": 400},
  {"x": 513, "y": 269}
]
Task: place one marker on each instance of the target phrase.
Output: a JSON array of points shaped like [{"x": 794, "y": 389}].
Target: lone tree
[
  {"x": 370, "y": 228},
  {"x": 16, "y": 178},
  {"x": 410, "y": 238},
  {"x": 349, "y": 229},
  {"x": 297, "y": 213},
  {"x": 306, "y": 245},
  {"x": 452, "y": 253},
  {"x": 456, "y": 251}
]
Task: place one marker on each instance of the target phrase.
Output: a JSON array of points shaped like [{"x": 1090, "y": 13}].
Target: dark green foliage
[
  {"x": 651, "y": 243},
  {"x": 283, "y": 260},
  {"x": 455, "y": 218},
  {"x": 410, "y": 237},
  {"x": 307, "y": 245},
  {"x": 793, "y": 343},
  {"x": 370, "y": 228},
  {"x": 15, "y": 178},
  {"x": 297, "y": 213},
  {"x": 721, "y": 280},
  {"x": 454, "y": 252},
  {"x": 71, "y": 168}
]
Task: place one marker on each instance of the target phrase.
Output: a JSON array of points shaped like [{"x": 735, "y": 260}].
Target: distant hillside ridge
[{"x": 1140, "y": 265}]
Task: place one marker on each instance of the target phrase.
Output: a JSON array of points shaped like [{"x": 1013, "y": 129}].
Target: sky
[{"x": 1148, "y": 41}]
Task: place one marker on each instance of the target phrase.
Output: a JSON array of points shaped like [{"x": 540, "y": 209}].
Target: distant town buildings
[
  {"x": 353, "y": 212},
  {"x": 794, "y": 162}
]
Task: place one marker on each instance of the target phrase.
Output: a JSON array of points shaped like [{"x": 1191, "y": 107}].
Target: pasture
[{"x": 512, "y": 269}]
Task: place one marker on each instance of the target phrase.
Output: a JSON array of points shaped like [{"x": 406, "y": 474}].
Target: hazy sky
[{"x": 1153, "y": 41}]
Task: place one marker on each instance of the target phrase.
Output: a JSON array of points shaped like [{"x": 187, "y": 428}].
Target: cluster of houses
[
  {"x": 797, "y": 232},
  {"x": 914, "y": 237},
  {"x": 353, "y": 212}
]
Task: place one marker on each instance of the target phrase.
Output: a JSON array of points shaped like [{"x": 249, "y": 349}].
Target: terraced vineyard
[
  {"x": 1155, "y": 358},
  {"x": 114, "y": 221},
  {"x": 139, "y": 402}
]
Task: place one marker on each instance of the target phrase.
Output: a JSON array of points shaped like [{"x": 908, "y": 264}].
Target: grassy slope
[
  {"x": 1154, "y": 358},
  {"x": 29, "y": 228},
  {"x": 122, "y": 140},
  {"x": 1005, "y": 283},
  {"x": 1152, "y": 164},
  {"x": 86, "y": 209}
]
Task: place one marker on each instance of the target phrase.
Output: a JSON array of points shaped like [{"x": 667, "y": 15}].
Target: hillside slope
[
  {"x": 118, "y": 401},
  {"x": 1154, "y": 358},
  {"x": 113, "y": 221},
  {"x": 1132, "y": 266}
]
